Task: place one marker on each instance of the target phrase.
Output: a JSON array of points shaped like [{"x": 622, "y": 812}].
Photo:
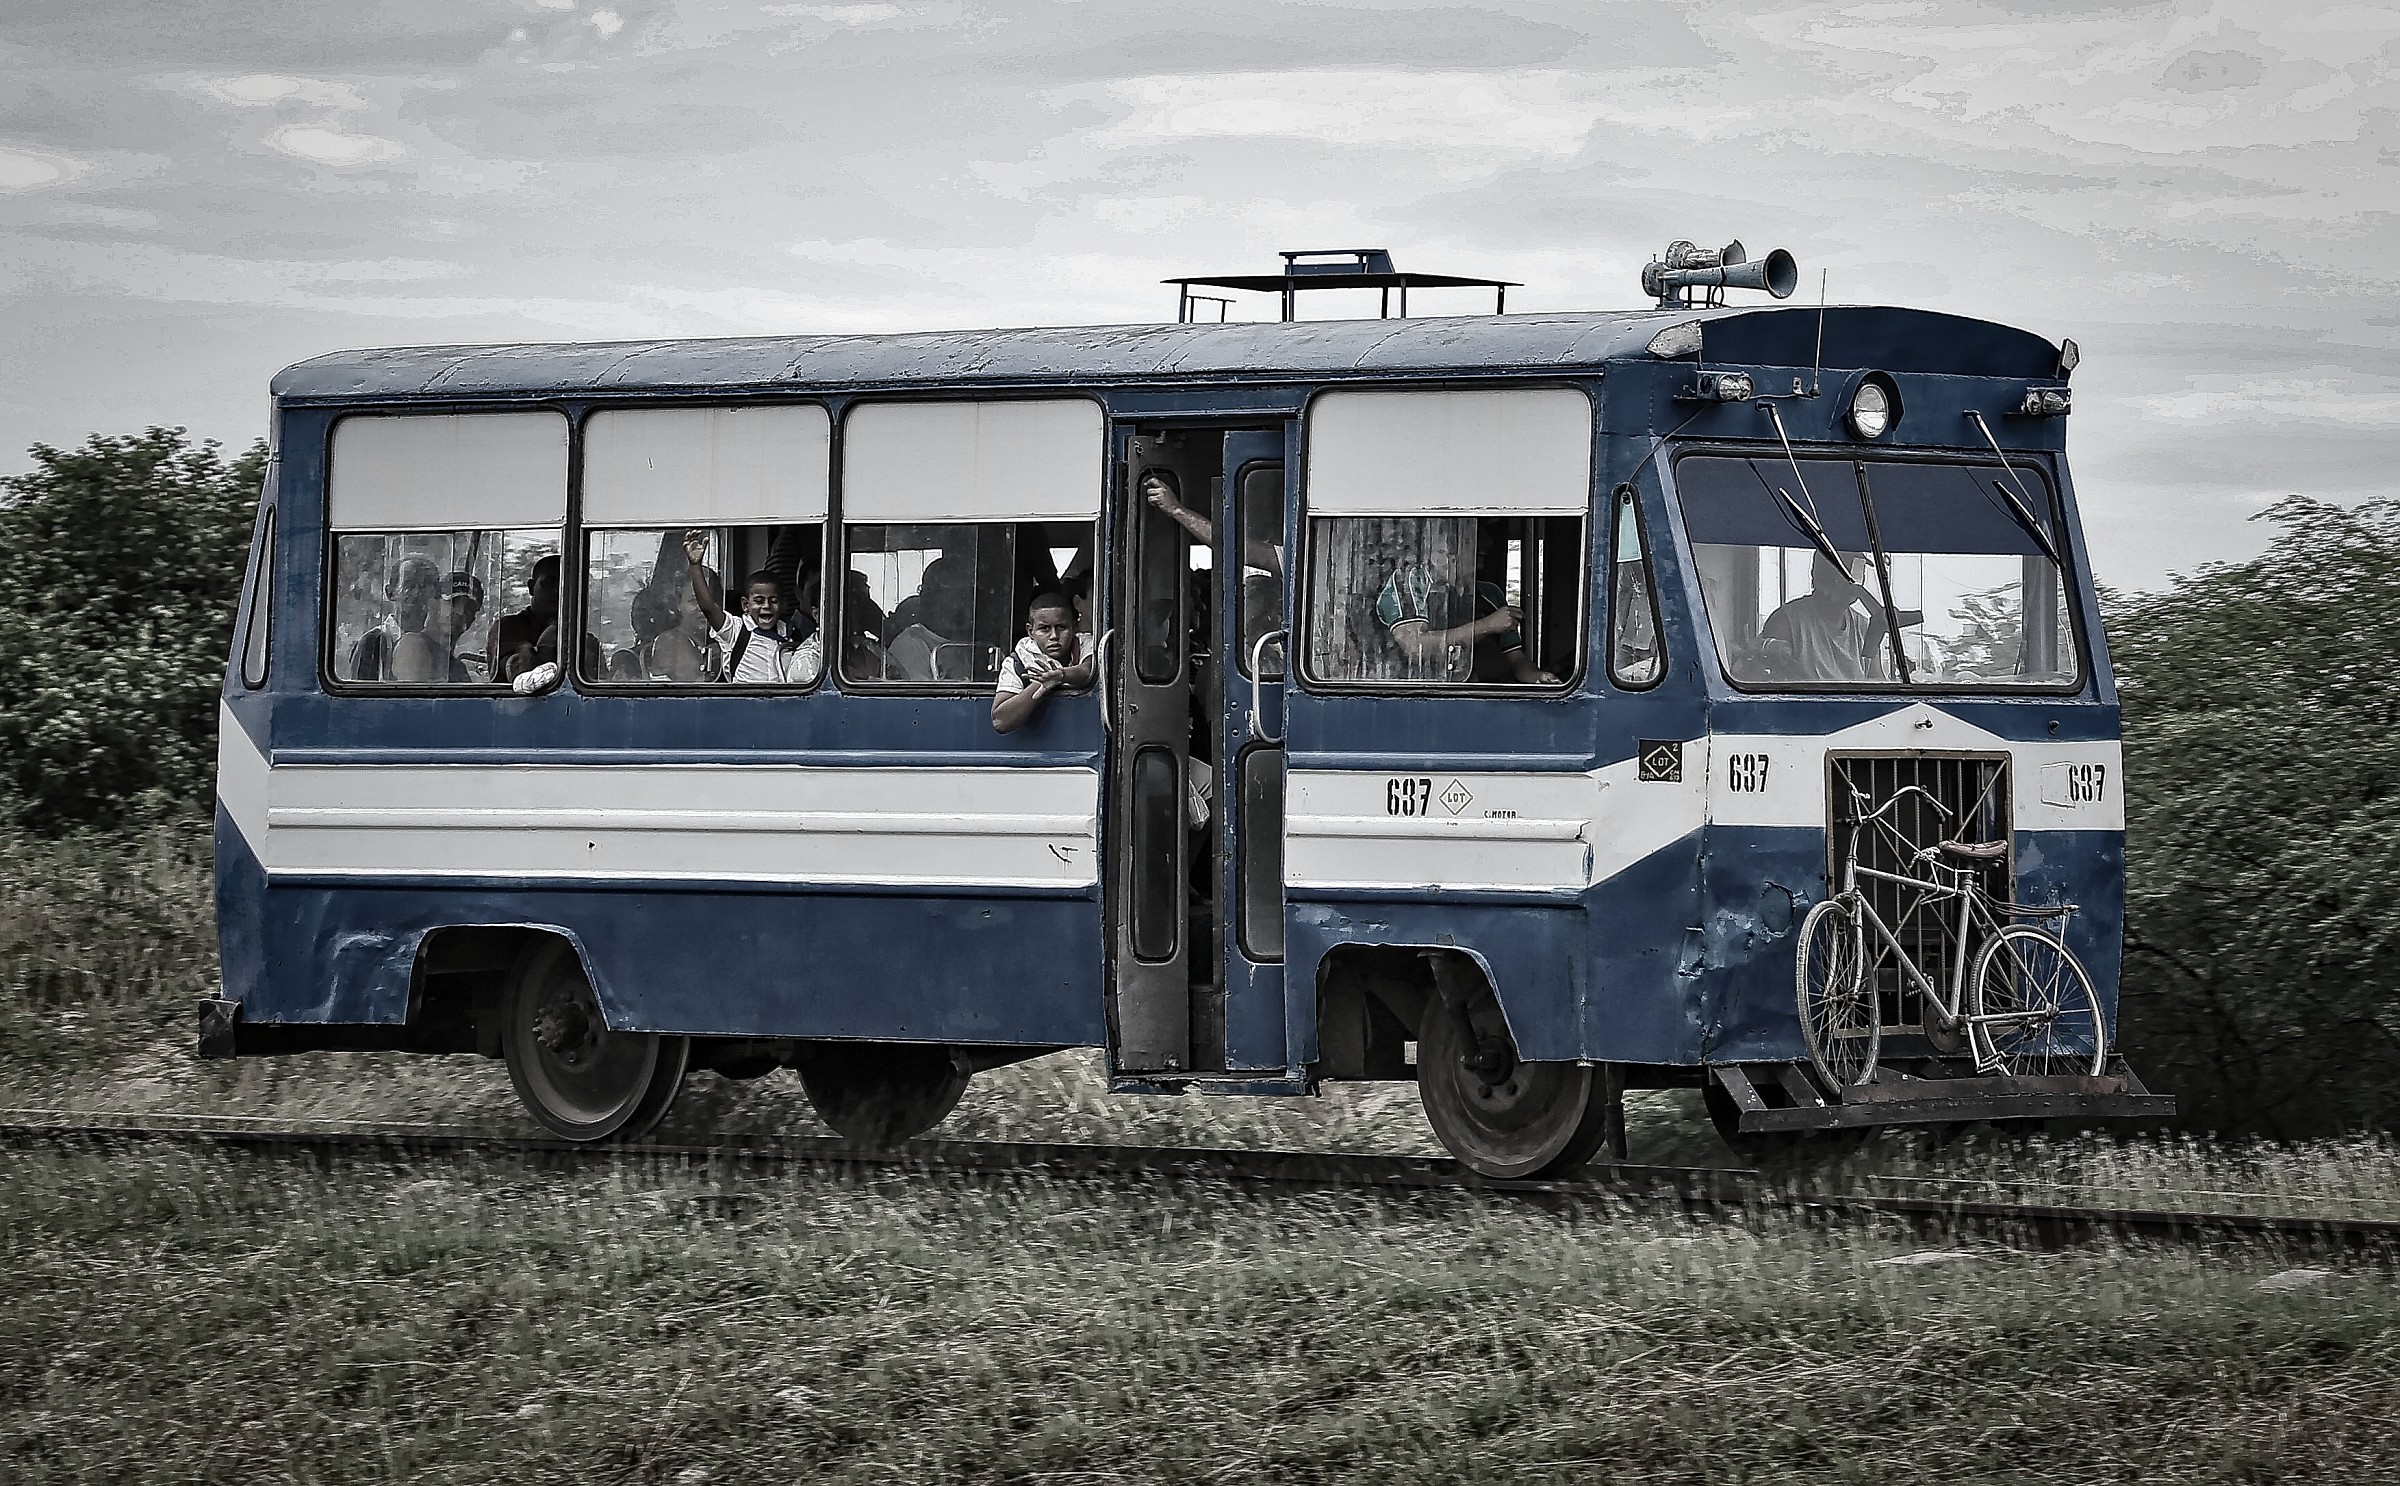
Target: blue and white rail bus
[{"x": 1483, "y": 700}]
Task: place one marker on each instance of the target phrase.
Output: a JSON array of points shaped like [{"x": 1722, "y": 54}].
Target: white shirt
[
  {"x": 1027, "y": 661},
  {"x": 770, "y": 659}
]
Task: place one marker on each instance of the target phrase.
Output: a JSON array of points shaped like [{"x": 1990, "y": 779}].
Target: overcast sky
[{"x": 197, "y": 193}]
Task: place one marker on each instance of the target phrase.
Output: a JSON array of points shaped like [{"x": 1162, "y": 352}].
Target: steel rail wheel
[
  {"x": 1499, "y": 1116},
  {"x": 2034, "y": 1007},
  {"x": 666, "y": 1081},
  {"x": 880, "y": 1093},
  {"x": 1838, "y": 1015},
  {"x": 581, "y": 1079}
]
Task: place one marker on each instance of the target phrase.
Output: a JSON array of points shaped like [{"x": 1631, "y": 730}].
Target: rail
[{"x": 1696, "y": 1191}]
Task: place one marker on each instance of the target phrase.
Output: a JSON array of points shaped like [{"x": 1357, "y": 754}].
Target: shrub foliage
[
  {"x": 125, "y": 561},
  {"x": 2263, "y": 827}
]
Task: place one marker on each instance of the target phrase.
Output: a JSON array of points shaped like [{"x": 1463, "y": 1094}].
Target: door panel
[
  {"x": 1150, "y": 699},
  {"x": 1253, "y": 601}
]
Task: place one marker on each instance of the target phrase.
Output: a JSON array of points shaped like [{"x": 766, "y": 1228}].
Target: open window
[
  {"x": 445, "y": 547},
  {"x": 956, "y": 516},
  {"x": 747, "y": 486},
  {"x": 1447, "y": 537}
]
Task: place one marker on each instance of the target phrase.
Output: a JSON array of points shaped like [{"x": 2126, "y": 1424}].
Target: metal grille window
[{"x": 1973, "y": 792}]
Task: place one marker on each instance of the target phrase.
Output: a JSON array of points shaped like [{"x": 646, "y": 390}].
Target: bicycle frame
[{"x": 1966, "y": 887}]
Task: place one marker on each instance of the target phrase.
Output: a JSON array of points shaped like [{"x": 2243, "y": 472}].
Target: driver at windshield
[{"x": 1834, "y": 632}]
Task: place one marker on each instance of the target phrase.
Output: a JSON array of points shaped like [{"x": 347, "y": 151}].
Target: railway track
[{"x": 1925, "y": 1203}]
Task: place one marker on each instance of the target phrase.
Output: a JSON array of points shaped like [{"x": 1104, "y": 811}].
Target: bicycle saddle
[{"x": 1976, "y": 851}]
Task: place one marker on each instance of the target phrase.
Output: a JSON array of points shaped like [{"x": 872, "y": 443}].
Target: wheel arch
[
  {"x": 462, "y": 974},
  {"x": 1356, "y": 978}
]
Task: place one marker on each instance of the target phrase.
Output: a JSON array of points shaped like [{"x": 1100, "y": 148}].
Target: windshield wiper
[
  {"x": 2019, "y": 505},
  {"x": 1809, "y": 527},
  {"x": 2033, "y": 528}
]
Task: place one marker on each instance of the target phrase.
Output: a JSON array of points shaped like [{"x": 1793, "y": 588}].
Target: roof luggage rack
[{"x": 1364, "y": 268}]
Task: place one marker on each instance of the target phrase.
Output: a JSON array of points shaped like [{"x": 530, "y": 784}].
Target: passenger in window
[
  {"x": 945, "y": 613},
  {"x": 1834, "y": 632},
  {"x": 760, "y": 648},
  {"x": 1052, "y": 656},
  {"x": 516, "y": 642},
  {"x": 862, "y": 654},
  {"x": 1429, "y": 619},
  {"x": 462, "y": 604},
  {"x": 411, "y": 647}
]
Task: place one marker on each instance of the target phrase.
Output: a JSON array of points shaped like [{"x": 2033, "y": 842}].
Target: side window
[
  {"x": 956, "y": 516},
  {"x": 746, "y": 487},
  {"x": 261, "y": 591},
  {"x": 1635, "y": 659},
  {"x": 945, "y": 602},
  {"x": 1447, "y": 537},
  {"x": 446, "y": 531},
  {"x": 1260, "y": 509},
  {"x": 1444, "y": 599}
]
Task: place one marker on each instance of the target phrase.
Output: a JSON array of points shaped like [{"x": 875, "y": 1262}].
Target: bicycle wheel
[
  {"x": 2034, "y": 1007},
  {"x": 1838, "y": 1015}
]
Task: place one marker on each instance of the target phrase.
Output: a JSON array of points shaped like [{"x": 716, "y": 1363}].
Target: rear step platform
[{"x": 1779, "y": 1097}]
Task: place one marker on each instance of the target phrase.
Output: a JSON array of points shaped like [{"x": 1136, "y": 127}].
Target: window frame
[
  {"x": 1299, "y": 656},
  {"x": 329, "y": 547},
  {"x": 580, "y": 597},
  {"x": 602, "y": 687},
  {"x": 2063, "y": 532},
  {"x": 1630, "y": 493},
  {"x": 1244, "y": 642},
  {"x": 258, "y": 624},
  {"x": 838, "y": 522}
]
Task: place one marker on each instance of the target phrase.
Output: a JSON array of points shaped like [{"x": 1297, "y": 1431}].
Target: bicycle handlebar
[{"x": 1859, "y": 797}]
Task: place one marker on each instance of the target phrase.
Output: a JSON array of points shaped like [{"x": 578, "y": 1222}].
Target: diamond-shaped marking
[
  {"x": 1456, "y": 797},
  {"x": 1661, "y": 762}
]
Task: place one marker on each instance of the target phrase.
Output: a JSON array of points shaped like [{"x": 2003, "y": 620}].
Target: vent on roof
[{"x": 1328, "y": 268}]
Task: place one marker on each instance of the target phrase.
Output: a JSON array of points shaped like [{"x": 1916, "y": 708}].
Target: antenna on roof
[{"x": 1824, "y": 276}]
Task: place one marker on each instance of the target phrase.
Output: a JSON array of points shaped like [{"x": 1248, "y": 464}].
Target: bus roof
[{"x": 1854, "y": 336}]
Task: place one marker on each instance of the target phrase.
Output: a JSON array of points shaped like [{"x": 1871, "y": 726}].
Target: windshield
[{"x": 1968, "y": 591}]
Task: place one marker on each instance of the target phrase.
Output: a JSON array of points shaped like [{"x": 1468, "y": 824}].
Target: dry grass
[
  {"x": 186, "y": 1316},
  {"x": 181, "y": 1315}
]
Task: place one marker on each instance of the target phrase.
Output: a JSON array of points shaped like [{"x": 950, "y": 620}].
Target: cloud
[
  {"x": 2282, "y": 400},
  {"x": 838, "y": 15},
  {"x": 264, "y": 89},
  {"x": 1453, "y": 112},
  {"x": 323, "y": 145},
  {"x": 27, "y": 170}
]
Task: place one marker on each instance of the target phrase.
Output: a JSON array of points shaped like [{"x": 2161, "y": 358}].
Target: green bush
[
  {"x": 2263, "y": 811},
  {"x": 125, "y": 561}
]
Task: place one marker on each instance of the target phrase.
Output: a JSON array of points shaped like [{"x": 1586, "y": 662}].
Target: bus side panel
[
  {"x": 1645, "y": 1005},
  {"x": 953, "y": 968},
  {"x": 241, "y": 885}
]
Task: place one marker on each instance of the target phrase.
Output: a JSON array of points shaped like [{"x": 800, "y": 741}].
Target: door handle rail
[{"x": 1258, "y": 691}]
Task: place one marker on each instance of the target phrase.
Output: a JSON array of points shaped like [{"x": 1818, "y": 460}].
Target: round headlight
[{"x": 1870, "y": 411}]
